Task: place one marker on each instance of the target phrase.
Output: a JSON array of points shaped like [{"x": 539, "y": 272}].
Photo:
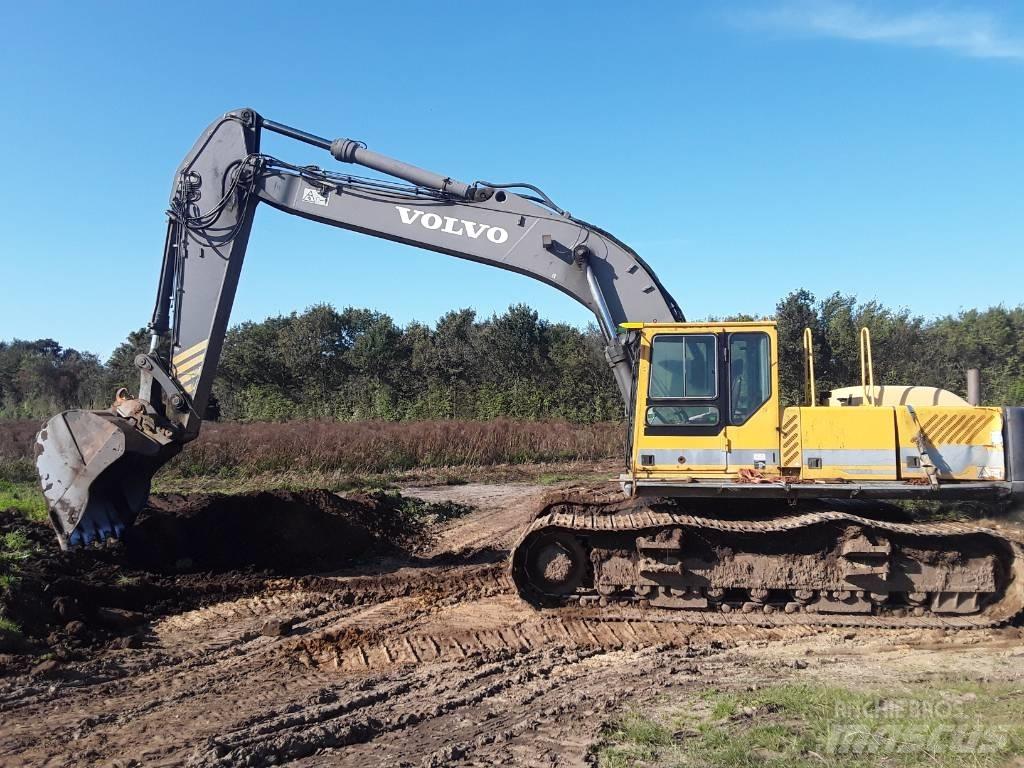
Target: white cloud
[{"x": 968, "y": 33}]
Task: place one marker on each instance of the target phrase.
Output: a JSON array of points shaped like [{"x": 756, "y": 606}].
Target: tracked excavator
[{"x": 732, "y": 506}]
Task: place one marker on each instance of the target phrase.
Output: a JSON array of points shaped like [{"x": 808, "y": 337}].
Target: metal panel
[
  {"x": 850, "y": 443},
  {"x": 856, "y": 488},
  {"x": 208, "y": 232},
  {"x": 963, "y": 443}
]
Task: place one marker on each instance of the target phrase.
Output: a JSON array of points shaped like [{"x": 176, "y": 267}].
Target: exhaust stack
[{"x": 973, "y": 386}]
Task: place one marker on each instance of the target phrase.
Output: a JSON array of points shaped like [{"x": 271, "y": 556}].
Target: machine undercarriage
[{"x": 809, "y": 564}]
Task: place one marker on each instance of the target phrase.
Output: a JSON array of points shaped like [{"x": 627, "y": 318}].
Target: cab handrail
[
  {"x": 809, "y": 384},
  {"x": 867, "y": 368}
]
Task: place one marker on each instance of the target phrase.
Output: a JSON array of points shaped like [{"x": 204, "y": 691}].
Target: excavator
[{"x": 733, "y": 506}]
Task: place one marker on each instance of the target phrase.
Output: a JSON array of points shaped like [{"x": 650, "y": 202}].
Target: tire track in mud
[
  {"x": 464, "y": 658},
  {"x": 496, "y": 705},
  {"x": 332, "y": 600},
  {"x": 466, "y": 700},
  {"x": 355, "y": 650},
  {"x": 209, "y": 641},
  {"x": 388, "y": 641}
]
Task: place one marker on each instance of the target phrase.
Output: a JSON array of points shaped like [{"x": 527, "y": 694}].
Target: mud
[
  {"x": 281, "y": 531},
  {"x": 187, "y": 551},
  {"x": 417, "y": 655}
]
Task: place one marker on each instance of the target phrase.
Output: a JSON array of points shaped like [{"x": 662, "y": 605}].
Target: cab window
[
  {"x": 682, "y": 416},
  {"x": 684, "y": 367},
  {"x": 749, "y": 374}
]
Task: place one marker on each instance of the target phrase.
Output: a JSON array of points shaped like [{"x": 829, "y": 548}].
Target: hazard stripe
[
  {"x": 191, "y": 352},
  {"x": 196, "y": 362}
]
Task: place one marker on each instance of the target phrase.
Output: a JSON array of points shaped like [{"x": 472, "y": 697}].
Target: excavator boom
[{"x": 96, "y": 466}]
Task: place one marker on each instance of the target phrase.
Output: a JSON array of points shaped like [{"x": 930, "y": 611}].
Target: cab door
[
  {"x": 682, "y": 393},
  {"x": 752, "y": 430}
]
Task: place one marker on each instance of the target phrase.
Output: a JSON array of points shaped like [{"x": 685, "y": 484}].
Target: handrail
[
  {"x": 809, "y": 385},
  {"x": 867, "y": 368}
]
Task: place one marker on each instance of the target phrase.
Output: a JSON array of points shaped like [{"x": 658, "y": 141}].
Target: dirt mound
[
  {"x": 186, "y": 551},
  {"x": 283, "y": 531}
]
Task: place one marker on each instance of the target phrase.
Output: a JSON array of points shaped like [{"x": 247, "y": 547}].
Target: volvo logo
[{"x": 452, "y": 226}]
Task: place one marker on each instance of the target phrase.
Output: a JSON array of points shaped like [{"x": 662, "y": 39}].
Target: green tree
[
  {"x": 121, "y": 368},
  {"x": 794, "y": 313},
  {"x": 455, "y": 356}
]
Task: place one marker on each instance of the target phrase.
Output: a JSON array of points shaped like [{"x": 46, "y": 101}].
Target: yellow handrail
[
  {"x": 867, "y": 368},
  {"x": 809, "y": 367}
]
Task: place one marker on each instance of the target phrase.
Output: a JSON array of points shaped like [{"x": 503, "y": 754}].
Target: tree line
[
  {"x": 359, "y": 364},
  {"x": 906, "y": 348}
]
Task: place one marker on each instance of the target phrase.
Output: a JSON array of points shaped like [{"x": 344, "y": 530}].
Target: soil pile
[
  {"x": 186, "y": 551},
  {"x": 287, "y": 532}
]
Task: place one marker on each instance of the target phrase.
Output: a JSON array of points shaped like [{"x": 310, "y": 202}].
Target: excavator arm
[{"x": 96, "y": 466}]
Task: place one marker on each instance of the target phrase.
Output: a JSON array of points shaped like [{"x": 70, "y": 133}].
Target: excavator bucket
[{"x": 96, "y": 468}]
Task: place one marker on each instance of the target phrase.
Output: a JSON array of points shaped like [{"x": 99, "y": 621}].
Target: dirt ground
[{"x": 413, "y": 659}]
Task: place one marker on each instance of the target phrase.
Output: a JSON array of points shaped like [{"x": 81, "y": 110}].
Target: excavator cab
[{"x": 706, "y": 400}]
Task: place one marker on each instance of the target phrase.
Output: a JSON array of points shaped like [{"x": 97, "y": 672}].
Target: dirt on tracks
[{"x": 419, "y": 655}]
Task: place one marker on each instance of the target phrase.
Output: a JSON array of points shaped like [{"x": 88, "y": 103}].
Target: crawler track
[{"x": 826, "y": 567}]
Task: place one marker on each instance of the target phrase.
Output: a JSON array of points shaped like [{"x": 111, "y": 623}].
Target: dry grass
[
  {"x": 17, "y": 438},
  {"x": 368, "y": 447},
  {"x": 248, "y": 450}
]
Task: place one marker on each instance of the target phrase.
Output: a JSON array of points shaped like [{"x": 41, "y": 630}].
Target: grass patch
[
  {"x": 419, "y": 511},
  {"x": 24, "y": 497},
  {"x": 922, "y": 510},
  {"x": 812, "y": 725},
  {"x": 634, "y": 740},
  {"x": 342, "y": 481},
  {"x": 554, "y": 478},
  {"x": 11, "y": 637},
  {"x": 15, "y": 549},
  {"x": 339, "y": 482},
  {"x": 558, "y": 478},
  {"x": 17, "y": 470}
]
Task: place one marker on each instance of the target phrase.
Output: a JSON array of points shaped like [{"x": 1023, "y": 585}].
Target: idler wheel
[{"x": 556, "y": 563}]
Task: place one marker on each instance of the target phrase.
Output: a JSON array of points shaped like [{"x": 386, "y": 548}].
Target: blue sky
[{"x": 743, "y": 150}]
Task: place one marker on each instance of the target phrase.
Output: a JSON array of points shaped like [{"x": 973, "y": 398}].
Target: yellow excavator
[{"x": 732, "y": 506}]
